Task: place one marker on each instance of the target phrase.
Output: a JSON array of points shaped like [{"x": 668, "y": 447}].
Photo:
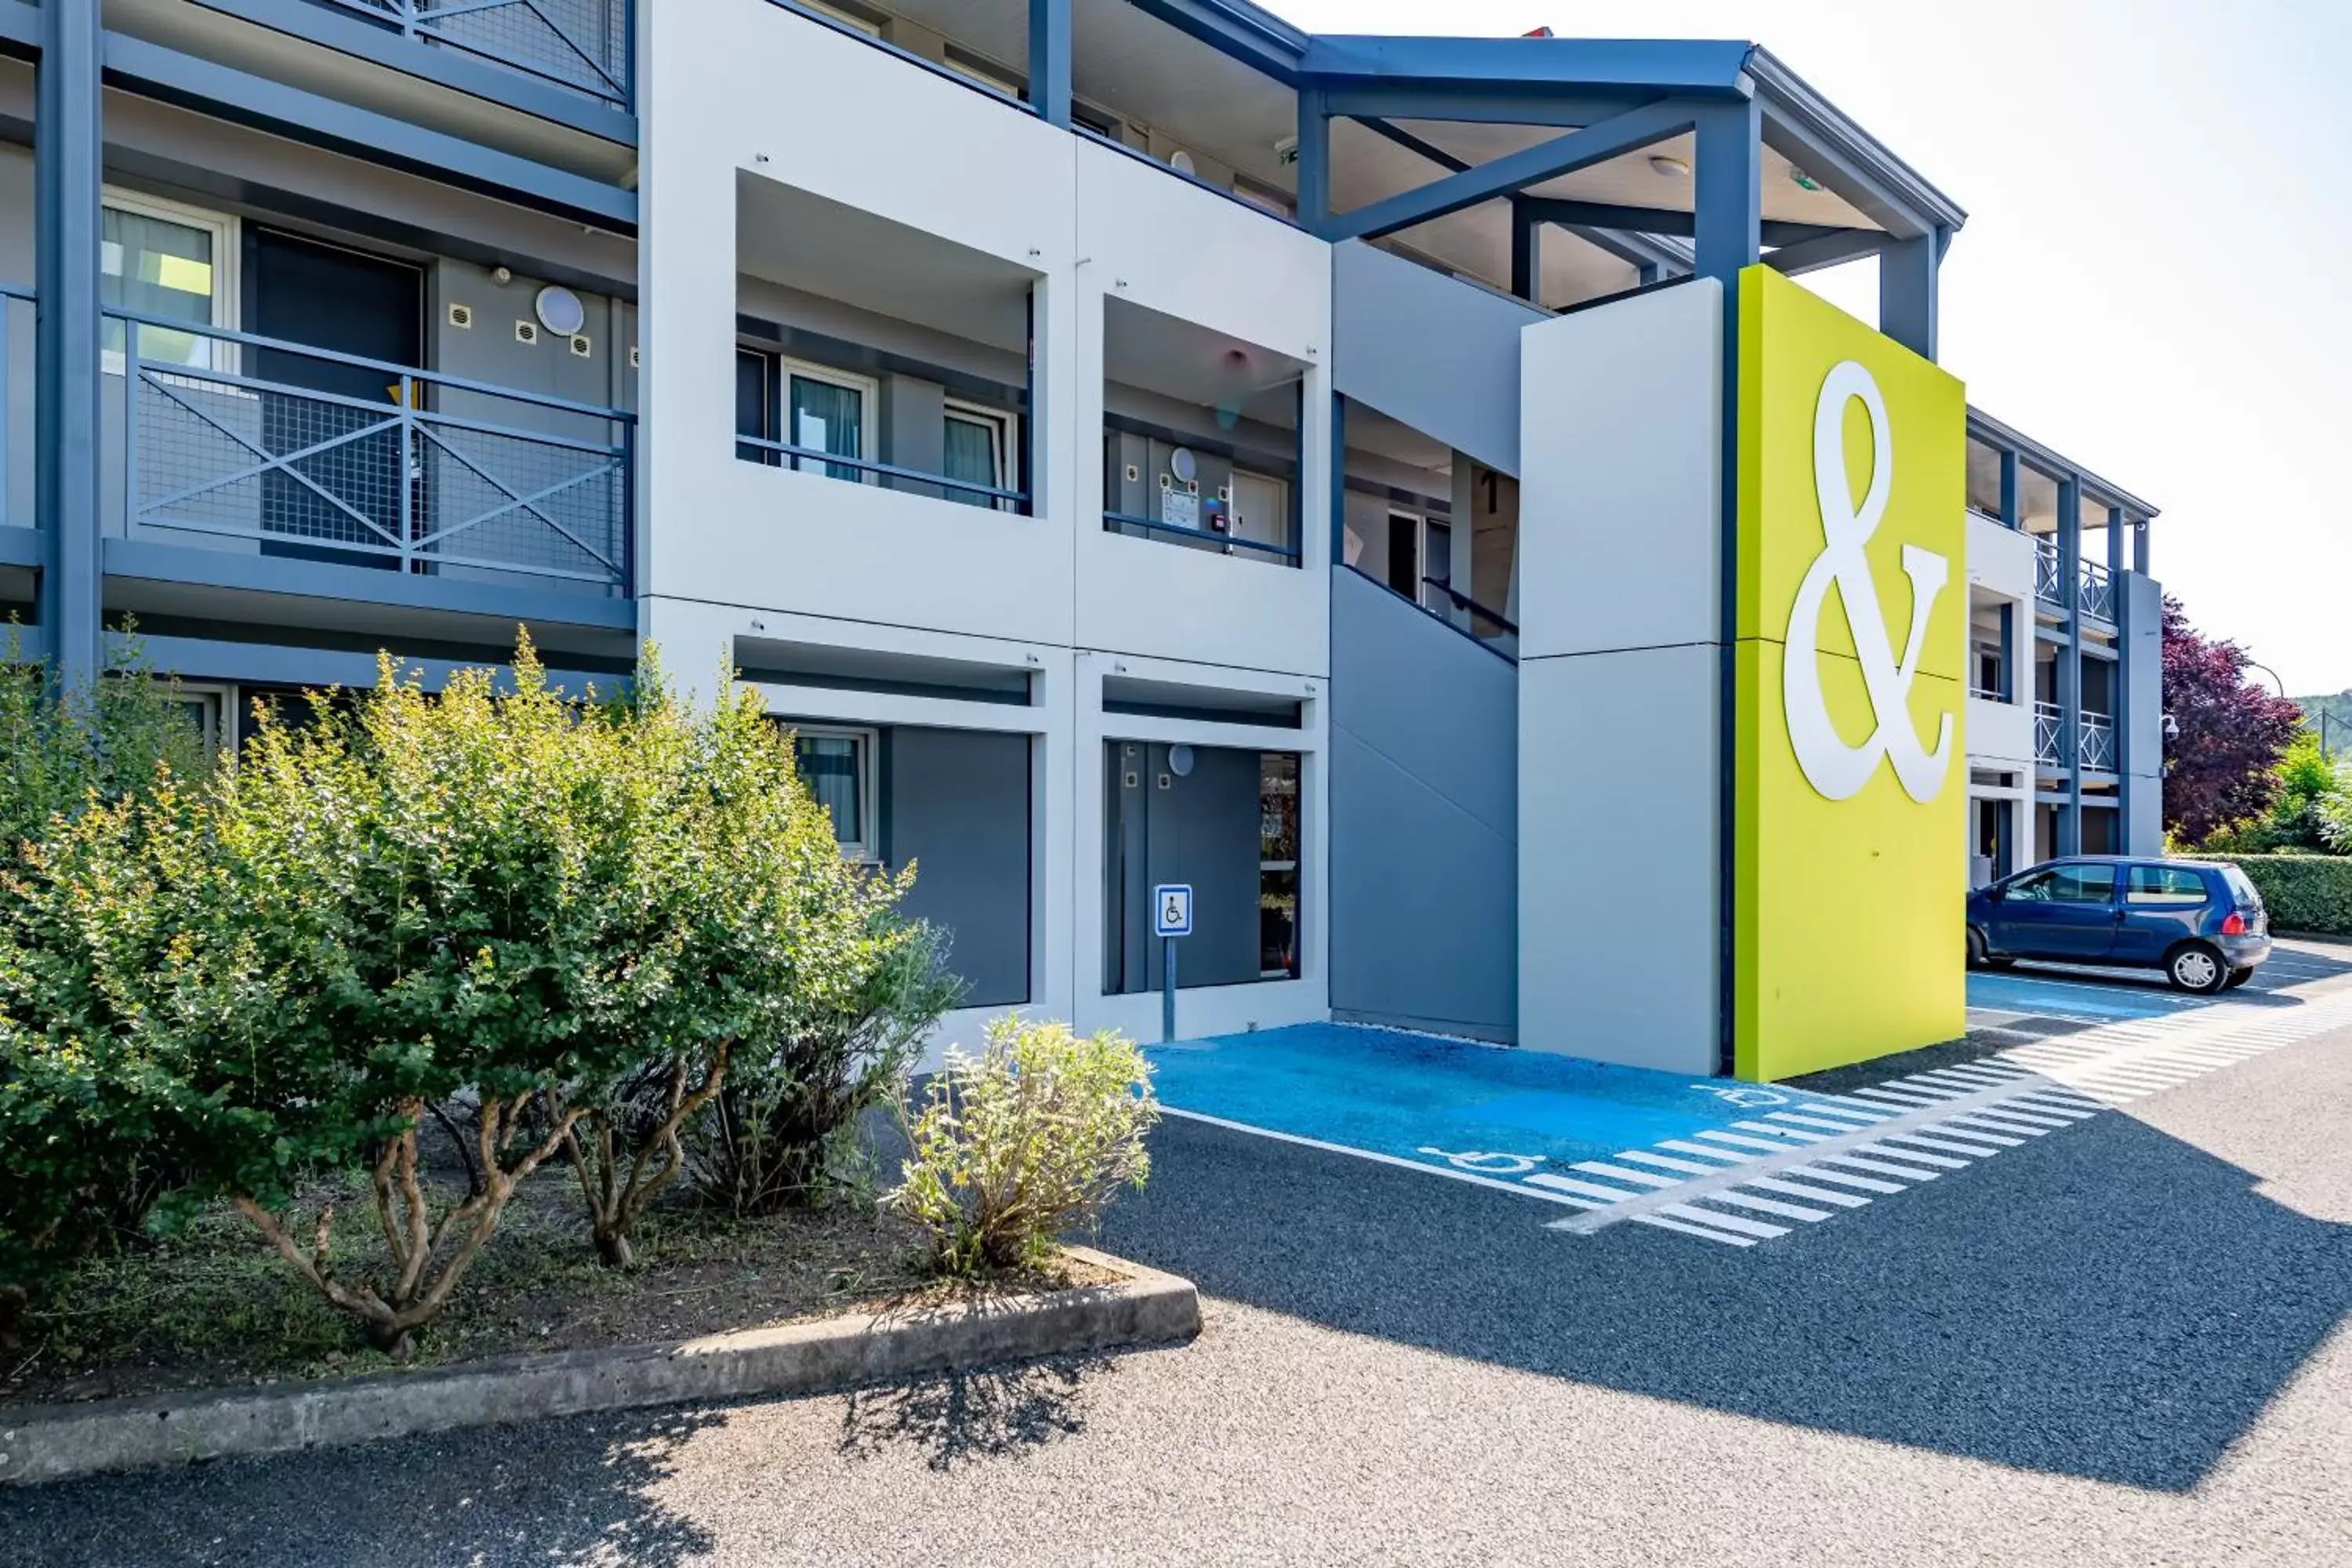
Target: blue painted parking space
[
  {"x": 2086, "y": 995},
  {"x": 1463, "y": 1109}
]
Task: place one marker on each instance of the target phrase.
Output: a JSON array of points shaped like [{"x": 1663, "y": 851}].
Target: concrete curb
[{"x": 62, "y": 1442}]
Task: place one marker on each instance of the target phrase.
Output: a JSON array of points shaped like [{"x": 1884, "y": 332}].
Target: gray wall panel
[
  {"x": 1437, "y": 354},
  {"x": 956, "y": 804},
  {"x": 1425, "y": 815}
]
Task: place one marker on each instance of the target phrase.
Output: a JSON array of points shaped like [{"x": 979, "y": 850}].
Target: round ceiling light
[
  {"x": 1672, "y": 168},
  {"x": 559, "y": 311},
  {"x": 1183, "y": 465}
]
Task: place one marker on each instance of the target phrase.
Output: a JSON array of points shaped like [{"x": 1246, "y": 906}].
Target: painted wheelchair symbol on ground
[{"x": 1475, "y": 1113}]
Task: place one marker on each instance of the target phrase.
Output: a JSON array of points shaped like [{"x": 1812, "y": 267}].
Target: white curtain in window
[
  {"x": 971, "y": 457},
  {"x": 829, "y": 766},
  {"x": 828, "y": 418}
]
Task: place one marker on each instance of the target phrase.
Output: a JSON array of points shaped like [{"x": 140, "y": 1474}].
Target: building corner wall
[
  {"x": 2141, "y": 631},
  {"x": 1620, "y": 765}
]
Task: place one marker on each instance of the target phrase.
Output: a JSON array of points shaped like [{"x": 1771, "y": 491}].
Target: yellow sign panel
[{"x": 1850, "y": 861}]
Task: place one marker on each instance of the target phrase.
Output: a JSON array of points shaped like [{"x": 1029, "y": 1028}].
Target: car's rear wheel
[
  {"x": 2196, "y": 966},
  {"x": 1975, "y": 949},
  {"x": 2239, "y": 977}
]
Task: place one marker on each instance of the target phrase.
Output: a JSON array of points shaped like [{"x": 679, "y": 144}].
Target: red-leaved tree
[{"x": 2220, "y": 767}]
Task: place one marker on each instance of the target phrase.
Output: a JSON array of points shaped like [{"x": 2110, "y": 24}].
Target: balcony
[
  {"x": 2047, "y": 575},
  {"x": 2099, "y": 744},
  {"x": 230, "y": 441},
  {"x": 2049, "y": 725},
  {"x": 2095, "y": 592},
  {"x": 585, "y": 45}
]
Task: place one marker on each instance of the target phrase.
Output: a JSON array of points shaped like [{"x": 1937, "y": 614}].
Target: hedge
[{"x": 2302, "y": 892}]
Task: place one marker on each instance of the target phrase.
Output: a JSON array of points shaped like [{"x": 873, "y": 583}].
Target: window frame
[
  {"x": 866, "y": 850},
  {"x": 1005, "y": 428},
  {"x": 869, "y": 399},
  {"x": 227, "y": 296}
]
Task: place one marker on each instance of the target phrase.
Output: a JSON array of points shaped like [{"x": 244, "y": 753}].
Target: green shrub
[
  {"x": 770, "y": 1141},
  {"x": 2302, "y": 893},
  {"x": 1010, "y": 1149},
  {"x": 72, "y": 1175}
]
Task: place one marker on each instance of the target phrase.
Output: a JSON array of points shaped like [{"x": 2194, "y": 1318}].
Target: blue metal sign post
[{"x": 1172, "y": 916}]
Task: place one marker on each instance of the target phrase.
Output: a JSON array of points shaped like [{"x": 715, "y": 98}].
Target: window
[
  {"x": 979, "y": 450},
  {"x": 837, "y": 766},
  {"x": 986, "y": 72},
  {"x": 166, "y": 261},
  {"x": 2173, "y": 885},
  {"x": 827, "y": 411},
  {"x": 1278, "y": 865},
  {"x": 2067, "y": 885},
  {"x": 815, "y": 408}
]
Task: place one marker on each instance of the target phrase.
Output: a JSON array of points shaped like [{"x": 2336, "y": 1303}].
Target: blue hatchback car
[{"x": 2200, "y": 922}]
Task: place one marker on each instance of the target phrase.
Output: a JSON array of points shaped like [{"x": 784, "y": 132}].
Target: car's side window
[
  {"x": 2033, "y": 890},
  {"x": 2170, "y": 886},
  {"x": 2084, "y": 885}
]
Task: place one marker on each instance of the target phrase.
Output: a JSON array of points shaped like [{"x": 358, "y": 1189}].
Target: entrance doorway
[{"x": 356, "y": 485}]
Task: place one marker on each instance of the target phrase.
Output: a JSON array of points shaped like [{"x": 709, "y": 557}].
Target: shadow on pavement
[
  {"x": 466, "y": 1497},
  {"x": 2108, "y": 1302},
  {"x": 958, "y": 1417}
]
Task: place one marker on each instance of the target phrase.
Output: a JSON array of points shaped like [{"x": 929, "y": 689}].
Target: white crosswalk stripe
[{"x": 1779, "y": 1170}]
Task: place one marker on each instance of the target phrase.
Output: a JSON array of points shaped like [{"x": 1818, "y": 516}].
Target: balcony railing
[
  {"x": 859, "y": 470},
  {"x": 2046, "y": 576},
  {"x": 229, "y": 435},
  {"x": 1119, "y": 521},
  {"x": 2096, "y": 592},
  {"x": 2049, "y": 725},
  {"x": 584, "y": 44},
  {"x": 16, "y": 436},
  {"x": 2098, "y": 742},
  {"x": 1467, "y": 616}
]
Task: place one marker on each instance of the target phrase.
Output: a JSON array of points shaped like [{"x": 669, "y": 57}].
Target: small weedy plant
[{"x": 1010, "y": 1149}]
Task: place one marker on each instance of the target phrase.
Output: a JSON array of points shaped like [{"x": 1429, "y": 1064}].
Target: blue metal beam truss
[
  {"x": 216, "y": 90},
  {"x": 1514, "y": 172},
  {"x": 1829, "y": 249},
  {"x": 1474, "y": 106},
  {"x": 1666, "y": 220},
  {"x": 1241, "y": 32},
  {"x": 1637, "y": 67}
]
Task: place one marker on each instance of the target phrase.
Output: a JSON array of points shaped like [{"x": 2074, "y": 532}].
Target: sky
[{"x": 2155, "y": 274}]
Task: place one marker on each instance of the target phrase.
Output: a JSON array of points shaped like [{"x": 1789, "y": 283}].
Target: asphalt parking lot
[{"x": 2120, "y": 1341}]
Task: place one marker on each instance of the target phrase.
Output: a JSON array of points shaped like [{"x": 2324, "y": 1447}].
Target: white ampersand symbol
[{"x": 1837, "y": 770}]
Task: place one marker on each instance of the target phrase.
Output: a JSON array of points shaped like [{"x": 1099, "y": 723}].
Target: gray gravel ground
[{"x": 2123, "y": 1343}]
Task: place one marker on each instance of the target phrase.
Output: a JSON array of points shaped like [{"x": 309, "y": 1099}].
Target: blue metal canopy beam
[
  {"x": 1830, "y": 249},
  {"x": 1639, "y": 68},
  {"x": 20, "y": 28},
  {"x": 1810, "y": 132},
  {"x": 1242, "y": 32},
  {"x": 1668, "y": 220},
  {"x": 1412, "y": 143},
  {"x": 1515, "y": 105},
  {"x": 1514, "y": 172}
]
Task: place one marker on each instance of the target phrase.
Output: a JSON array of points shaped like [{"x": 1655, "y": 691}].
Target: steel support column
[
  {"x": 1314, "y": 159},
  {"x": 1527, "y": 253},
  {"x": 2009, "y": 513},
  {"x": 1049, "y": 60},
  {"x": 2070, "y": 664},
  {"x": 1729, "y": 203},
  {"x": 68, "y": 158},
  {"x": 1907, "y": 272}
]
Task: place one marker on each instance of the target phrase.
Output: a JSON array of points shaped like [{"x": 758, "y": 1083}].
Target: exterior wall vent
[
  {"x": 582, "y": 346},
  {"x": 461, "y": 317},
  {"x": 526, "y": 332}
]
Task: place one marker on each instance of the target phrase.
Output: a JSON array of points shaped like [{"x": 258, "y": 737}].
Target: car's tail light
[{"x": 2235, "y": 925}]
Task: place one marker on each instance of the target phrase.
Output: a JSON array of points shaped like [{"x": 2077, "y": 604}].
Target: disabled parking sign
[{"x": 1171, "y": 904}]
